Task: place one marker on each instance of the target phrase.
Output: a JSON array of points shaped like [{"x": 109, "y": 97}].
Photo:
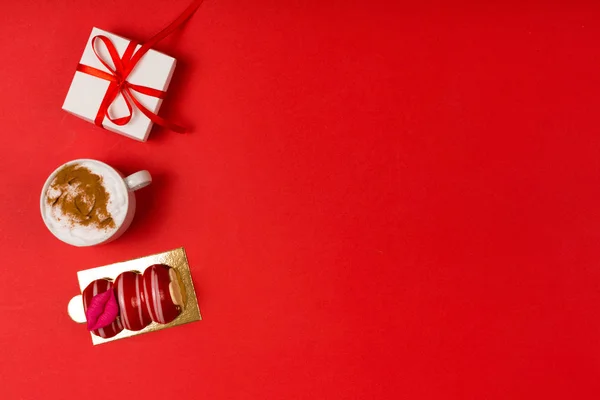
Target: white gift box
[{"x": 86, "y": 93}]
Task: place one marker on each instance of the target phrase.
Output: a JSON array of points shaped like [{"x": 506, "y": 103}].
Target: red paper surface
[{"x": 379, "y": 200}]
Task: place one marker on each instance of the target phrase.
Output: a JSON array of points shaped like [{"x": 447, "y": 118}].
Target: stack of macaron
[{"x": 156, "y": 295}]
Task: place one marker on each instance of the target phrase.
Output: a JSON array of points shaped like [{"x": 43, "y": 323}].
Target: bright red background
[{"x": 378, "y": 201}]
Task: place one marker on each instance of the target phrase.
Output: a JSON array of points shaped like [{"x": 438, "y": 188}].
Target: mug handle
[{"x": 138, "y": 180}]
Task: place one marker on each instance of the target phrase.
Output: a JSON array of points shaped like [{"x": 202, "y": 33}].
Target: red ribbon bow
[{"x": 123, "y": 66}]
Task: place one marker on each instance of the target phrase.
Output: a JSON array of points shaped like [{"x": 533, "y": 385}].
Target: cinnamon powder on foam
[{"x": 81, "y": 197}]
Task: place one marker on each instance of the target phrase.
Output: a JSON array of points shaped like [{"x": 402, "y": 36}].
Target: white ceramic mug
[{"x": 121, "y": 200}]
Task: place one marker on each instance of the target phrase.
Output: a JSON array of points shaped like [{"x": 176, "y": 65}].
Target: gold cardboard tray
[{"x": 175, "y": 258}]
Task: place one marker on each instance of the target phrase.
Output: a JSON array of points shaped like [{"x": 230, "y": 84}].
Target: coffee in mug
[{"x": 86, "y": 202}]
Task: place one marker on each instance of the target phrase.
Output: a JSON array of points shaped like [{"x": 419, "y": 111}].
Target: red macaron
[
  {"x": 161, "y": 285},
  {"x": 94, "y": 288},
  {"x": 129, "y": 290}
]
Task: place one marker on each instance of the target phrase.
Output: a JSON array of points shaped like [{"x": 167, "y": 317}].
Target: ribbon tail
[
  {"x": 153, "y": 117},
  {"x": 187, "y": 14}
]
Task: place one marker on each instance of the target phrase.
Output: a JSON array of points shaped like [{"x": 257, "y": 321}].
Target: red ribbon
[{"x": 123, "y": 68}]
